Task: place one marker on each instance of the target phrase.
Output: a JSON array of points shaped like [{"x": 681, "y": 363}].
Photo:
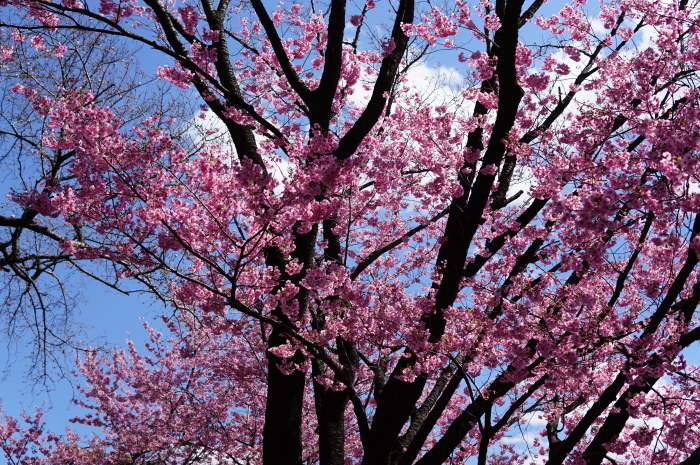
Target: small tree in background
[
  {"x": 38, "y": 290},
  {"x": 362, "y": 271}
]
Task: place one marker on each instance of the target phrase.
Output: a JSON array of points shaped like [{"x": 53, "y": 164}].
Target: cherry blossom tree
[{"x": 367, "y": 269}]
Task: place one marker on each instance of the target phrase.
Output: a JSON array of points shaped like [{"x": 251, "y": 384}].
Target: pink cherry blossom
[{"x": 402, "y": 242}]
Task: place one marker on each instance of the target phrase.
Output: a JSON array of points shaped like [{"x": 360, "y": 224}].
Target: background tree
[
  {"x": 357, "y": 279},
  {"x": 39, "y": 285}
]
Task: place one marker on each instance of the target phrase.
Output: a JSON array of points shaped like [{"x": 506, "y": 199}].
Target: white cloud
[
  {"x": 524, "y": 438},
  {"x": 436, "y": 85},
  {"x": 207, "y": 128},
  {"x": 535, "y": 419}
]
